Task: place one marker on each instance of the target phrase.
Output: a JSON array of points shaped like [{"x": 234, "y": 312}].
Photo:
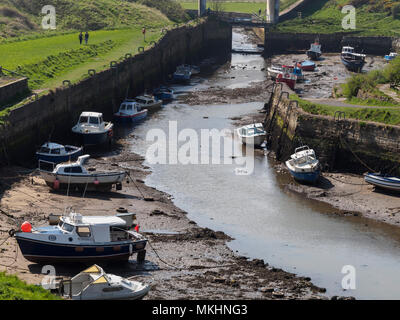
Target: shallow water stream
[{"x": 285, "y": 230}]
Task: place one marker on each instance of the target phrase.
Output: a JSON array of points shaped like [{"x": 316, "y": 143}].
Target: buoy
[
  {"x": 137, "y": 228},
  {"x": 26, "y": 227},
  {"x": 56, "y": 184},
  {"x": 96, "y": 182}
]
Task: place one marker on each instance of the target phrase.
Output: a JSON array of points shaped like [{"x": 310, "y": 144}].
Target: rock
[
  {"x": 258, "y": 262},
  {"x": 266, "y": 289},
  {"x": 219, "y": 280},
  {"x": 334, "y": 297},
  {"x": 278, "y": 294}
]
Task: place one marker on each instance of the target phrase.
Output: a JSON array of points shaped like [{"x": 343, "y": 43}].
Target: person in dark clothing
[
  {"x": 80, "y": 38},
  {"x": 259, "y": 12},
  {"x": 86, "y": 37}
]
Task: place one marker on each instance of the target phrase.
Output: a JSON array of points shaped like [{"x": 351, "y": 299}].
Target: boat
[
  {"x": 94, "y": 284},
  {"x": 81, "y": 174},
  {"x": 391, "y": 56},
  {"x": 92, "y": 130},
  {"x": 383, "y": 181},
  {"x": 314, "y": 53},
  {"x": 130, "y": 111},
  {"x": 352, "y": 61},
  {"x": 289, "y": 78},
  {"x": 164, "y": 93},
  {"x": 57, "y": 153},
  {"x": 306, "y": 65},
  {"x": 303, "y": 165},
  {"x": 182, "y": 73},
  {"x": 82, "y": 239},
  {"x": 148, "y": 102},
  {"x": 274, "y": 71},
  {"x": 297, "y": 71},
  {"x": 252, "y": 134}
]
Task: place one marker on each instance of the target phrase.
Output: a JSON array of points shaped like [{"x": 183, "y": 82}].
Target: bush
[{"x": 396, "y": 11}]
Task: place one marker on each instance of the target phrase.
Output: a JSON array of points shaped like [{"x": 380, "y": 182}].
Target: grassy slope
[
  {"x": 238, "y": 6},
  {"x": 383, "y": 114},
  {"x": 48, "y": 60},
  {"x": 11, "y": 288},
  {"x": 324, "y": 16}
]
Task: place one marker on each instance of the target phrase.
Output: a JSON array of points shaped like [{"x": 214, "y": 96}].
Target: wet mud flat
[
  {"x": 183, "y": 261},
  {"x": 329, "y": 72}
]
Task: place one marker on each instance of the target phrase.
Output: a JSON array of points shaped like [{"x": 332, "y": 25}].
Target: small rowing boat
[{"x": 383, "y": 181}]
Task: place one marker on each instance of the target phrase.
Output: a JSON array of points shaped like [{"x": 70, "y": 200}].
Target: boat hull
[
  {"x": 307, "y": 177},
  {"x": 49, "y": 252},
  {"x": 131, "y": 118},
  {"x": 59, "y": 159},
  {"x": 89, "y": 139},
  {"x": 382, "y": 182},
  {"x": 97, "y": 181},
  {"x": 256, "y": 141},
  {"x": 290, "y": 82},
  {"x": 353, "y": 65},
  {"x": 313, "y": 55}
]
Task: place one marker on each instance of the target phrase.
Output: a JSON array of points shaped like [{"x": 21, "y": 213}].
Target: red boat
[{"x": 287, "y": 77}]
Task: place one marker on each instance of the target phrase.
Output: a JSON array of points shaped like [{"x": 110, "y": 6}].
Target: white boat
[
  {"x": 148, "y": 102},
  {"x": 80, "y": 174},
  {"x": 82, "y": 239},
  {"x": 92, "y": 130},
  {"x": 94, "y": 284},
  {"x": 304, "y": 165},
  {"x": 383, "y": 181},
  {"x": 130, "y": 111},
  {"x": 274, "y": 71},
  {"x": 252, "y": 134}
]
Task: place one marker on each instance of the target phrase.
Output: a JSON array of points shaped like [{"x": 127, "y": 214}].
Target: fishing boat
[
  {"x": 81, "y": 174},
  {"x": 391, "y": 56},
  {"x": 297, "y": 71},
  {"x": 148, "y": 102},
  {"x": 274, "y": 71},
  {"x": 94, "y": 284},
  {"x": 57, "y": 153},
  {"x": 252, "y": 134},
  {"x": 306, "y": 65},
  {"x": 383, "y": 181},
  {"x": 352, "y": 61},
  {"x": 130, "y": 111},
  {"x": 92, "y": 130},
  {"x": 83, "y": 239},
  {"x": 289, "y": 78},
  {"x": 314, "y": 53},
  {"x": 164, "y": 93},
  {"x": 303, "y": 165},
  {"x": 182, "y": 73}
]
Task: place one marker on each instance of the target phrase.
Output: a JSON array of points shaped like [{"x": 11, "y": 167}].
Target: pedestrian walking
[
  {"x": 86, "y": 37},
  {"x": 80, "y": 38},
  {"x": 144, "y": 34},
  {"x": 259, "y": 12}
]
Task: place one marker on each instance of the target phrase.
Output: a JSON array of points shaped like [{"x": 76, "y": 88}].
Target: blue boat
[
  {"x": 391, "y": 56},
  {"x": 164, "y": 93},
  {"x": 130, "y": 111},
  {"x": 57, "y": 153},
  {"x": 307, "y": 65},
  {"x": 92, "y": 130},
  {"x": 80, "y": 239},
  {"x": 303, "y": 165},
  {"x": 383, "y": 181},
  {"x": 183, "y": 73},
  {"x": 352, "y": 61}
]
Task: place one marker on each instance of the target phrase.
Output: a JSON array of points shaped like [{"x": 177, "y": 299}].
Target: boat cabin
[
  {"x": 53, "y": 148},
  {"x": 91, "y": 118},
  {"x": 349, "y": 53},
  {"x": 252, "y": 129},
  {"x": 98, "y": 228},
  {"x": 145, "y": 100},
  {"x": 129, "y": 106},
  {"x": 315, "y": 47}
]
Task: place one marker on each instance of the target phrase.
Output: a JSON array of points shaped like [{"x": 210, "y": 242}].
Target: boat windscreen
[{"x": 83, "y": 119}]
